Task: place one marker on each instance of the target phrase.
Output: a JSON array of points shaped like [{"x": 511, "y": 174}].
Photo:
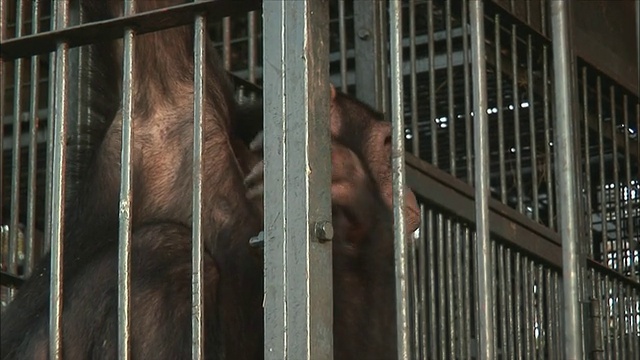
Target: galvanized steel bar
[
  {"x": 197, "y": 255},
  {"x": 502, "y": 292},
  {"x": 432, "y": 301},
  {"x": 33, "y": 148},
  {"x": 17, "y": 126},
  {"x": 369, "y": 52},
  {"x": 3, "y": 35},
  {"x": 226, "y": 42},
  {"x": 415, "y": 131},
  {"x": 253, "y": 46},
  {"x": 510, "y": 303},
  {"x": 603, "y": 197},
  {"x": 567, "y": 189},
  {"x": 441, "y": 289},
  {"x": 482, "y": 193},
  {"x": 517, "y": 298},
  {"x": 459, "y": 280},
  {"x": 629, "y": 185},
  {"x": 124, "y": 215},
  {"x": 450, "y": 100},
  {"x": 468, "y": 312},
  {"x": 547, "y": 138},
  {"x": 423, "y": 275},
  {"x": 449, "y": 290},
  {"x": 467, "y": 91},
  {"x": 526, "y": 302},
  {"x": 342, "y": 33},
  {"x": 398, "y": 169},
  {"x": 58, "y": 183},
  {"x": 298, "y": 276},
  {"x": 587, "y": 161},
  {"x": 500, "y": 107},
  {"x": 532, "y": 130},
  {"x": 619, "y": 263},
  {"x": 515, "y": 98},
  {"x": 50, "y": 140},
  {"x": 432, "y": 84}
]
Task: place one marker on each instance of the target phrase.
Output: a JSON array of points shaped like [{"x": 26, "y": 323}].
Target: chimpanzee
[{"x": 161, "y": 218}]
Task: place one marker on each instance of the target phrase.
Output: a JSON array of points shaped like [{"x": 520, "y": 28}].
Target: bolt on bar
[
  {"x": 368, "y": 52},
  {"x": 197, "y": 281},
  {"x": 567, "y": 189},
  {"x": 298, "y": 267},
  {"x": 124, "y": 235},
  {"x": 58, "y": 182},
  {"x": 398, "y": 169},
  {"x": 481, "y": 137}
]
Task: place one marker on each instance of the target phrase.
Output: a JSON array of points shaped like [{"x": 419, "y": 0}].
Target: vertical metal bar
[
  {"x": 459, "y": 278},
  {"x": 33, "y": 144},
  {"x": 467, "y": 293},
  {"x": 502, "y": 280},
  {"x": 253, "y": 46},
  {"x": 587, "y": 157},
  {"x": 442, "y": 319},
  {"x": 517, "y": 274},
  {"x": 398, "y": 168},
  {"x": 298, "y": 277},
  {"x": 548, "y": 350},
  {"x": 494, "y": 292},
  {"x": 369, "y": 52},
  {"x": 603, "y": 193},
  {"x": 547, "y": 138},
  {"x": 58, "y": 183},
  {"x": 433, "y": 286},
  {"x": 567, "y": 189},
  {"x": 526, "y": 298},
  {"x": 432, "y": 84},
  {"x": 448, "y": 243},
  {"x": 197, "y": 255},
  {"x": 532, "y": 128},
  {"x": 226, "y": 42},
  {"x": 619, "y": 263},
  {"x": 48, "y": 203},
  {"x": 423, "y": 275},
  {"x": 540, "y": 308},
  {"x": 342, "y": 31},
  {"x": 607, "y": 317},
  {"x": 467, "y": 91},
  {"x": 516, "y": 116},
  {"x": 415, "y": 131},
  {"x": 543, "y": 17},
  {"x": 3, "y": 35},
  {"x": 17, "y": 132},
  {"x": 415, "y": 293},
  {"x": 482, "y": 194},
  {"x": 124, "y": 234},
  {"x": 500, "y": 105},
  {"x": 384, "y": 51},
  {"x": 629, "y": 186},
  {"x": 450, "y": 100}
]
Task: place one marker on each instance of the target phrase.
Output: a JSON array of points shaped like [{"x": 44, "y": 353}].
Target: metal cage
[{"x": 521, "y": 143}]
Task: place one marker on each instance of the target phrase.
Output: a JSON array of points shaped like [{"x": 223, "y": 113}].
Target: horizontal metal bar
[
  {"x": 114, "y": 28},
  {"x": 604, "y": 270},
  {"x": 457, "y": 197},
  {"x": 10, "y": 280},
  {"x": 41, "y": 137}
]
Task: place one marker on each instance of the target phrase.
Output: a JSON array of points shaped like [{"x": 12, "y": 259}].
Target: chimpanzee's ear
[{"x": 333, "y": 91}]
